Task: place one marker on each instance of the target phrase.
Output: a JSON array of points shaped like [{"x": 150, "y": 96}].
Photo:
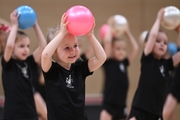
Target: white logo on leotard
[
  {"x": 162, "y": 70},
  {"x": 121, "y": 67},
  {"x": 69, "y": 82}
]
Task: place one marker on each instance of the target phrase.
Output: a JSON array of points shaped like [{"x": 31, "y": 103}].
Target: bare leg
[
  {"x": 40, "y": 106},
  {"x": 133, "y": 118},
  {"x": 169, "y": 107},
  {"x": 105, "y": 115}
]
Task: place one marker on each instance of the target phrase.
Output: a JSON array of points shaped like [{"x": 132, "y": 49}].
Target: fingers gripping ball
[
  {"x": 171, "y": 18},
  {"x": 118, "y": 25},
  {"x": 81, "y": 20},
  {"x": 27, "y": 17},
  {"x": 172, "y": 48},
  {"x": 143, "y": 36}
]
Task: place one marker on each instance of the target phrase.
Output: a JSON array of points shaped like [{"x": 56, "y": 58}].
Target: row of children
[
  {"x": 65, "y": 73},
  {"x": 149, "y": 102}
]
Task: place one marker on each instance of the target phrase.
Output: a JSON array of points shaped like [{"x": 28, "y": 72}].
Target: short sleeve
[
  {"x": 31, "y": 61},
  {"x": 146, "y": 58},
  {"x": 170, "y": 64},
  {"x": 106, "y": 62},
  {"x": 83, "y": 57},
  {"x": 84, "y": 67},
  {"x": 5, "y": 64},
  {"x": 51, "y": 72},
  {"x": 126, "y": 62}
]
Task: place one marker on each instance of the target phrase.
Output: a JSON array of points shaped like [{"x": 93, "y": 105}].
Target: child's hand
[
  {"x": 92, "y": 30},
  {"x": 160, "y": 14},
  {"x": 178, "y": 29},
  {"x": 127, "y": 29},
  {"x": 14, "y": 17},
  {"x": 35, "y": 24},
  {"x": 64, "y": 23}
]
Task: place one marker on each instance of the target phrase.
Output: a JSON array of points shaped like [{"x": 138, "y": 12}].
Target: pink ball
[
  {"x": 103, "y": 30},
  {"x": 81, "y": 20}
]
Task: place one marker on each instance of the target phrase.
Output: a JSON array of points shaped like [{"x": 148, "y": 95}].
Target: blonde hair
[
  {"x": 52, "y": 32},
  {"x": 20, "y": 34}
]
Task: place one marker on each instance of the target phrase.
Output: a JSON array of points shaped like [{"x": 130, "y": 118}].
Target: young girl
[
  {"x": 17, "y": 67},
  {"x": 173, "y": 97},
  {"x": 116, "y": 76},
  {"x": 64, "y": 77},
  {"x": 150, "y": 95}
]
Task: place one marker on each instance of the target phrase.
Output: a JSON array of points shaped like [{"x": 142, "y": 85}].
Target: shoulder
[
  {"x": 53, "y": 71},
  {"x": 7, "y": 64},
  {"x": 31, "y": 61},
  {"x": 30, "y": 58},
  {"x": 169, "y": 62},
  {"x": 126, "y": 62},
  {"x": 81, "y": 67},
  {"x": 146, "y": 57},
  {"x": 80, "y": 62}
]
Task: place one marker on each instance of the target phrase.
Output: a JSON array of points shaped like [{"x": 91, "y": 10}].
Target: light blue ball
[
  {"x": 172, "y": 48},
  {"x": 27, "y": 17}
]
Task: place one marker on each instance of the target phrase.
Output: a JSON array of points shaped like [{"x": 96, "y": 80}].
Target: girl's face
[
  {"x": 160, "y": 46},
  {"x": 119, "y": 50},
  {"x": 21, "y": 48},
  {"x": 68, "y": 51}
]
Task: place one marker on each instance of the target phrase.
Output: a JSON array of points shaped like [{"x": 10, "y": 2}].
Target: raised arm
[
  {"x": 100, "y": 56},
  {"x": 176, "y": 57},
  {"x": 46, "y": 58},
  {"x": 107, "y": 43},
  {"x": 134, "y": 45},
  {"x": 153, "y": 33},
  {"x": 12, "y": 36},
  {"x": 41, "y": 42}
]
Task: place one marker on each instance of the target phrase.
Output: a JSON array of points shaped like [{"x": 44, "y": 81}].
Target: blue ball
[
  {"x": 172, "y": 48},
  {"x": 27, "y": 17}
]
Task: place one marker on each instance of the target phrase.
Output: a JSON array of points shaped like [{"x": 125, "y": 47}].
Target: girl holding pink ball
[{"x": 65, "y": 73}]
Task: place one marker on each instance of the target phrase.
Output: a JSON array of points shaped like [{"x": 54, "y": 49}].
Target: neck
[
  {"x": 66, "y": 66},
  {"x": 157, "y": 57}
]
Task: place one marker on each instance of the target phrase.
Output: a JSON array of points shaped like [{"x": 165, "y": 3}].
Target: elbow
[
  {"x": 45, "y": 55},
  {"x": 9, "y": 47}
]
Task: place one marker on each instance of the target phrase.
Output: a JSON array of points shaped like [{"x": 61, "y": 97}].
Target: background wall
[{"x": 141, "y": 15}]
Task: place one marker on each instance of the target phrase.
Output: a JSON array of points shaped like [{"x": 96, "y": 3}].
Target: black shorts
[
  {"x": 79, "y": 118},
  {"x": 140, "y": 114},
  {"x": 118, "y": 112}
]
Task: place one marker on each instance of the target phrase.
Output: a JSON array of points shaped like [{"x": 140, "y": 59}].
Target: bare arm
[
  {"x": 100, "y": 56},
  {"x": 134, "y": 45},
  {"x": 88, "y": 52},
  {"x": 41, "y": 42},
  {"x": 12, "y": 36},
  {"x": 107, "y": 43},
  {"x": 153, "y": 33},
  {"x": 46, "y": 58},
  {"x": 176, "y": 57}
]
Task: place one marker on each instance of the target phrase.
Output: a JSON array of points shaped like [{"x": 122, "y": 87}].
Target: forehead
[
  {"x": 121, "y": 43},
  {"x": 69, "y": 39},
  {"x": 162, "y": 36},
  {"x": 23, "y": 40}
]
